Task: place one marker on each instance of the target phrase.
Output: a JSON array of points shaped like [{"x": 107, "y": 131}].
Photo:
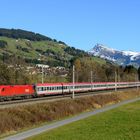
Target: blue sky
[{"x": 79, "y": 23}]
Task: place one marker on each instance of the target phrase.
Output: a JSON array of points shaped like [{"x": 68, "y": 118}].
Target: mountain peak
[
  {"x": 98, "y": 47},
  {"x": 120, "y": 57}
]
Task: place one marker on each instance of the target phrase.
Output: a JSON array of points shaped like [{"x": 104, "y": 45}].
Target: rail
[{"x": 13, "y": 103}]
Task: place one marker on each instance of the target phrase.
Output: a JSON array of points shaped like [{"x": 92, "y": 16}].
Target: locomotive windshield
[{"x": 2, "y": 89}]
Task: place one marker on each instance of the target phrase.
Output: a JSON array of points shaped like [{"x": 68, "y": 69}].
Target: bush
[{"x": 3, "y": 44}]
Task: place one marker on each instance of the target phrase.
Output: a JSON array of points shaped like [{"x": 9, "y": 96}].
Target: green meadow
[{"x": 122, "y": 123}]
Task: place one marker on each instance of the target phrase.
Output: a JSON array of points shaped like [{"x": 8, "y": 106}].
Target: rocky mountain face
[{"x": 120, "y": 57}]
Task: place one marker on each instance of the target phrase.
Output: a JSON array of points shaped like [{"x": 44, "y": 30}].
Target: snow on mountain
[
  {"x": 129, "y": 53},
  {"x": 120, "y": 57},
  {"x": 99, "y": 47},
  {"x": 133, "y": 55}
]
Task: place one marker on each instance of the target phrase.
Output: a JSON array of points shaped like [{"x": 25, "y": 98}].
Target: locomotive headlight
[{"x": 26, "y": 90}]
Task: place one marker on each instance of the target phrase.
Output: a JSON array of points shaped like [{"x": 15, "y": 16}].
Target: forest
[
  {"x": 22, "y": 34},
  {"x": 87, "y": 70}
]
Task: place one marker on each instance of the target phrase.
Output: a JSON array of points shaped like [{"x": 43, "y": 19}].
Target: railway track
[{"x": 7, "y": 104}]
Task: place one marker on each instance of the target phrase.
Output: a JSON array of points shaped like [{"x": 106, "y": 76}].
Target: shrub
[{"x": 3, "y": 44}]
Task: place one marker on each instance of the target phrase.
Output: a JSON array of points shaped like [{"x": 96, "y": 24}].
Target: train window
[
  {"x": 48, "y": 88},
  {"x": 44, "y": 88},
  {"x": 39, "y": 89},
  {"x": 64, "y": 87},
  {"x": 110, "y": 85}
]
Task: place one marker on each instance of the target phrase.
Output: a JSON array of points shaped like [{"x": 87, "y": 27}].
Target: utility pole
[
  {"x": 73, "y": 82},
  {"x": 91, "y": 74},
  {"x": 115, "y": 80},
  {"x": 118, "y": 75},
  {"x": 136, "y": 80},
  {"x": 42, "y": 74}
]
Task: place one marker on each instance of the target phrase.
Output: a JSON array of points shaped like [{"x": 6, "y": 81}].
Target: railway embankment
[{"x": 23, "y": 117}]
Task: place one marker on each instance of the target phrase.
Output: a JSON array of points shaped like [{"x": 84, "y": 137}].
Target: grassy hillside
[
  {"x": 47, "y": 52},
  {"x": 37, "y": 48},
  {"x": 32, "y": 50}
]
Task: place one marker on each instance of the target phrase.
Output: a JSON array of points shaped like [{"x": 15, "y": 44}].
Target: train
[{"x": 10, "y": 92}]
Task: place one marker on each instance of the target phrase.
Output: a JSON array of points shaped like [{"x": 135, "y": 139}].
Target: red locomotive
[{"x": 9, "y": 91}]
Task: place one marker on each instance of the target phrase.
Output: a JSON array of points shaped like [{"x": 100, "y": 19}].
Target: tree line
[
  {"x": 13, "y": 71},
  {"x": 23, "y": 34},
  {"x": 87, "y": 70}
]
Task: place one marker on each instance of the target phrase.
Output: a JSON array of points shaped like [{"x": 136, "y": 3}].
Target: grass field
[
  {"x": 31, "y": 46},
  {"x": 48, "y": 51},
  {"x": 122, "y": 123}
]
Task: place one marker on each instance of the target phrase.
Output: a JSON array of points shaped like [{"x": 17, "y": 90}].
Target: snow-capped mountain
[{"x": 119, "y": 57}]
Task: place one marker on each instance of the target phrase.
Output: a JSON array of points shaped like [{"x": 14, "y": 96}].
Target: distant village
[{"x": 46, "y": 69}]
